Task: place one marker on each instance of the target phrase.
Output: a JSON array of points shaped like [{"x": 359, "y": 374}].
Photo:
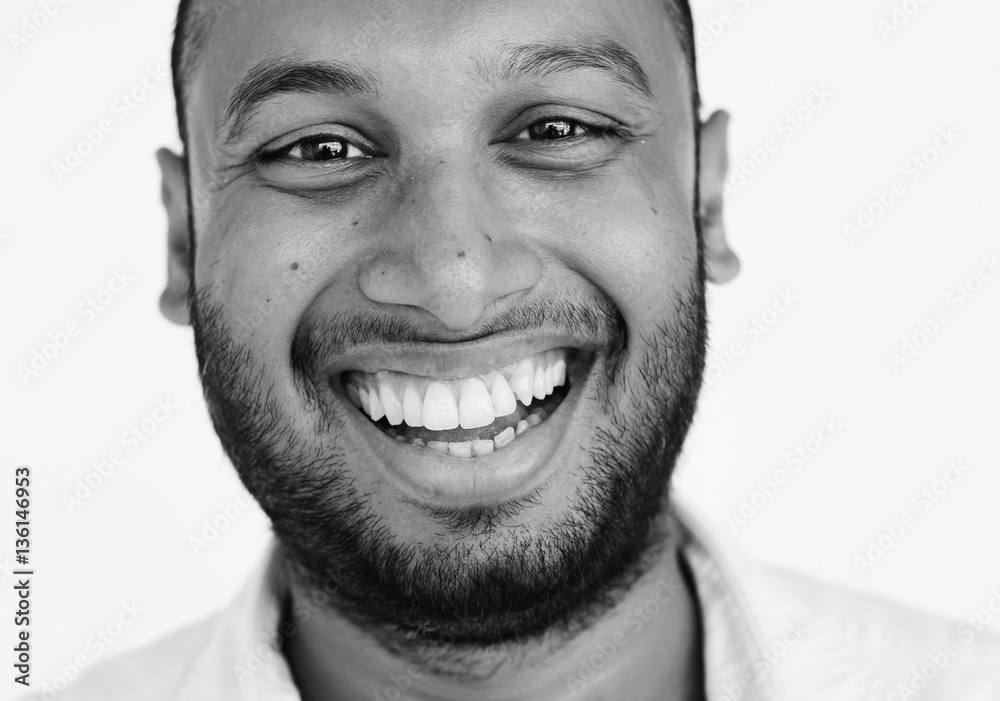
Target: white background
[{"x": 824, "y": 358}]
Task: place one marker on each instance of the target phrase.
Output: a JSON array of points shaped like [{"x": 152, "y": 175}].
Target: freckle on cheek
[{"x": 295, "y": 266}]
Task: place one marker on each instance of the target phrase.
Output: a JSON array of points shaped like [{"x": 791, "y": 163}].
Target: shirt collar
[{"x": 242, "y": 659}]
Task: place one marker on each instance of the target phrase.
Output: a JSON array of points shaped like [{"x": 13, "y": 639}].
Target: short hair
[{"x": 195, "y": 19}]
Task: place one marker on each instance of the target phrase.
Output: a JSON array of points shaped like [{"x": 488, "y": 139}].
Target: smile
[
  {"x": 465, "y": 417},
  {"x": 470, "y": 422}
]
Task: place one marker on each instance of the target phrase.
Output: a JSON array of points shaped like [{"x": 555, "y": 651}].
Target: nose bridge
[
  {"x": 448, "y": 224},
  {"x": 450, "y": 252}
]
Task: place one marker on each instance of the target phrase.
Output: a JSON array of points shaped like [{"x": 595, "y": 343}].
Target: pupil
[
  {"x": 323, "y": 150},
  {"x": 552, "y": 130}
]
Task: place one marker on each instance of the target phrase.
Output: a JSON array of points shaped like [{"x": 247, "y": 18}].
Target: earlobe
[
  {"x": 721, "y": 264},
  {"x": 174, "y": 303}
]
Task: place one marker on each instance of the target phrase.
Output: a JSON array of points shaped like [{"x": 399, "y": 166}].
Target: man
[{"x": 445, "y": 263}]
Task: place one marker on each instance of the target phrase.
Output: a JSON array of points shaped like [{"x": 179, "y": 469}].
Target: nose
[{"x": 449, "y": 250}]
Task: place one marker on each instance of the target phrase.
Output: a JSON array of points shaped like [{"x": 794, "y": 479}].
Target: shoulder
[
  {"x": 156, "y": 672},
  {"x": 821, "y": 641},
  {"x": 875, "y": 648}
]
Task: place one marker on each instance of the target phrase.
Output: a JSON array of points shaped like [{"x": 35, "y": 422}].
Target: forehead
[{"x": 417, "y": 43}]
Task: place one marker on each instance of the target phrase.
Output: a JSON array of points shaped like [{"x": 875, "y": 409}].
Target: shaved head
[{"x": 195, "y": 19}]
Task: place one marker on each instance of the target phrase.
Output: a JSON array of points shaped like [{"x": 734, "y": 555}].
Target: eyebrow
[
  {"x": 288, "y": 74},
  {"x": 541, "y": 60},
  {"x": 282, "y": 75}
]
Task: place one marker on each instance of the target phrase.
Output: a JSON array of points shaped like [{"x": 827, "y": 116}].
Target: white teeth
[
  {"x": 413, "y": 410},
  {"x": 503, "y": 438},
  {"x": 504, "y": 402},
  {"x": 440, "y": 410},
  {"x": 539, "y": 385},
  {"x": 482, "y": 447},
  {"x": 439, "y": 446},
  {"x": 353, "y": 394},
  {"x": 470, "y": 403},
  {"x": 376, "y": 411},
  {"x": 559, "y": 372},
  {"x": 475, "y": 408},
  {"x": 522, "y": 381},
  {"x": 474, "y": 448},
  {"x": 461, "y": 450},
  {"x": 391, "y": 404}
]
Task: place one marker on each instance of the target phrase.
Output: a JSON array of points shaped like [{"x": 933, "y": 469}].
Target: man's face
[{"x": 450, "y": 307}]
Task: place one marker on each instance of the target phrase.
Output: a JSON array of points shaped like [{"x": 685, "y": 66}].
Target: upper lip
[{"x": 455, "y": 360}]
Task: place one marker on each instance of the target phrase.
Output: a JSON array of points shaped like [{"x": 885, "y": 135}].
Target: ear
[
  {"x": 721, "y": 264},
  {"x": 174, "y": 300}
]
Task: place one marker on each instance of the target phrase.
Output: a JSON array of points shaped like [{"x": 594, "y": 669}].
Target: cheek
[
  {"x": 630, "y": 233},
  {"x": 265, "y": 260}
]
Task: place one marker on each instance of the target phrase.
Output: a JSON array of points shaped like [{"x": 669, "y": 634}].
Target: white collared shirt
[{"x": 768, "y": 636}]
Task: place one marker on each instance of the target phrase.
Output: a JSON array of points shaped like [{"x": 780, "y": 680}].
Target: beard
[{"x": 487, "y": 581}]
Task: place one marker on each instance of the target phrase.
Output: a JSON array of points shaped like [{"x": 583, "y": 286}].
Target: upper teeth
[{"x": 472, "y": 402}]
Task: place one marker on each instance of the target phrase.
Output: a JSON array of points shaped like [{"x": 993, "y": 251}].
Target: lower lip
[{"x": 445, "y": 480}]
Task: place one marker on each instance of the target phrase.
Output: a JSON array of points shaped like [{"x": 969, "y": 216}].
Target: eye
[
  {"x": 554, "y": 130},
  {"x": 554, "y": 138},
  {"x": 321, "y": 147}
]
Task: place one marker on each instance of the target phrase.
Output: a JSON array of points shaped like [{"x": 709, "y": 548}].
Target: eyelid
[
  {"x": 598, "y": 124},
  {"x": 590, "y": 129}
]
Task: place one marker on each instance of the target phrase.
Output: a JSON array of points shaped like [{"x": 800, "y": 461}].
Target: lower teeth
[
  {"x": 481, "y": 445},
  {"x": 477, "y": 448}
]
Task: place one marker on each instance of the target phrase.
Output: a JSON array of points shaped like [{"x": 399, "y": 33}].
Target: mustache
[{"x": 317, "y": 340}]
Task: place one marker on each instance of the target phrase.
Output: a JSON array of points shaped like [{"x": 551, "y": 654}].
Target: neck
[{"x": 645, "y": 647}]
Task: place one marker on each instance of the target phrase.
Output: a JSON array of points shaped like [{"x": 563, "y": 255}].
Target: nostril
[{"x": 457, "y": 279}]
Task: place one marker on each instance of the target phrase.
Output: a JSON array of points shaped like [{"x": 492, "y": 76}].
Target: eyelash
[
  {"x": 596, "y": 131},
  {"x": 282, "y": 154},
  {"x": 599, "y": 131}
]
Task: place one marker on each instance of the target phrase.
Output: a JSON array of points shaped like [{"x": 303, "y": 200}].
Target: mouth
[
  {"x": 465, "y": 417},
  {"x": 490, "y": 433}
]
